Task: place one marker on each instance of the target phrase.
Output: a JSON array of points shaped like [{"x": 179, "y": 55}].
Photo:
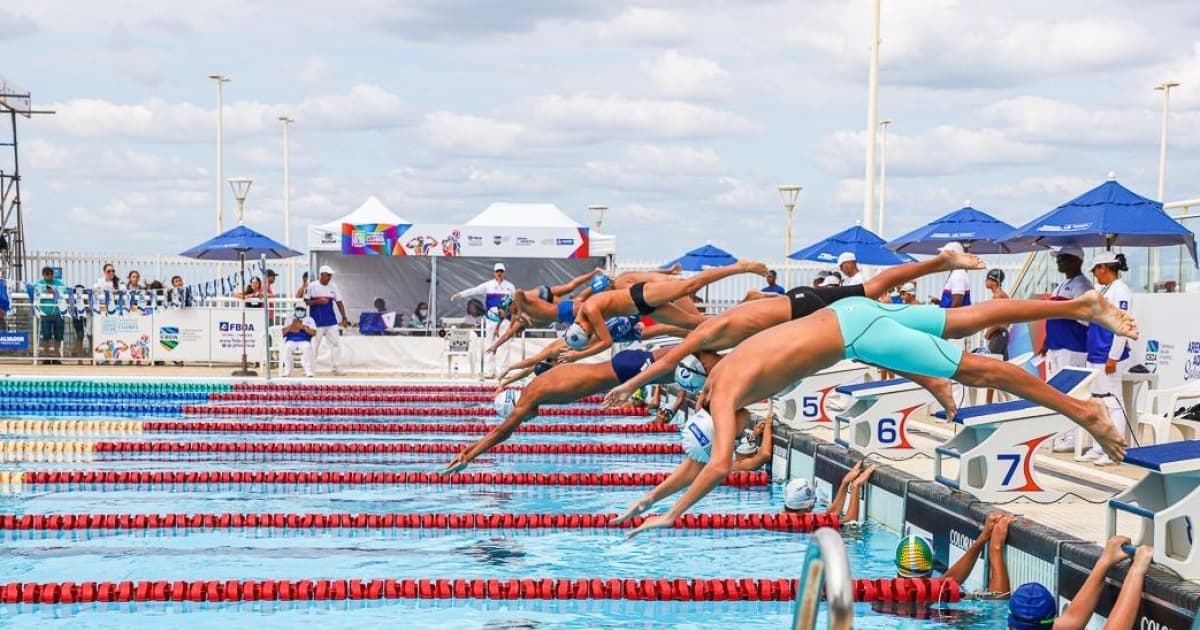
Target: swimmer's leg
[
  {"x": 941, "y": 388},
  {"x": 560, "y": 290},
  {"x": 897, "y": 275},
  {"x": 628, "y": 278},
  {"x": 673, "y": 315},
  {"x": 658, "y": 293},
  {"x": 1090, "y": 307}
]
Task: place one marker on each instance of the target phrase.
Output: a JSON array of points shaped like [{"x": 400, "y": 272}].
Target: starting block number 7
[{"x": 1014, "y": 460}]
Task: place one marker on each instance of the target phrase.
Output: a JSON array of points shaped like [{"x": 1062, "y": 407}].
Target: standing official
[{"x": 493, "y": 291}]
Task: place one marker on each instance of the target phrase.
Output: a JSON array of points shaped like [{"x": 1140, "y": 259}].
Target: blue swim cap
[
  {"x": 575, "y": 337},
  {"x": 1032, "y": 607},
  {"x": 494, "y": 314},
  {"x": 600, "y": 283},
  {"x": 506, "y": 302},
  {"x": 914, "y": 557}
]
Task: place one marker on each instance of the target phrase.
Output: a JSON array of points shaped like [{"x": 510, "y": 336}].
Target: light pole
[
  {"x": 883, "y": 172},
  {"x": 287, "y": 194},
  {"x": 597, "y": 212},
  {"x": 221, "y": 80},
  {"x": 1165, "y": 88},
  {"x": 241, "y": 188},
  {"x": 872, "y": 119},
  {"x": 788, "y": 194}
]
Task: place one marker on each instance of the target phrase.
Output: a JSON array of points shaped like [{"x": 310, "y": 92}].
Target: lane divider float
[
  {"x": 36, "y": 427},
  {"x": 370, "y": 448},
  {"x": 478, "y": 412}
]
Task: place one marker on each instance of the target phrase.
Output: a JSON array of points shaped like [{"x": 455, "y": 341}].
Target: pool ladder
[{"x": 826, "y": 568}]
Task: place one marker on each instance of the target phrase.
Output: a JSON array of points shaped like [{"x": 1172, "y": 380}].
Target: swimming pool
[{"x": 509, "y": 551}]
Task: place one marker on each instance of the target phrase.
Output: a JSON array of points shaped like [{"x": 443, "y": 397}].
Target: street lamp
[
  {"x": 597, "y": 215},
  {"x": 287, "y": 194},
  {"x": 1165, "y": 88},
  {"x": 788, "y": 194},
  {"x": 883, "y": 172},
  {"x": 241, "y": 187},
  {"x": 221, "y": 80},
  {"x": 872, "y": 119}
]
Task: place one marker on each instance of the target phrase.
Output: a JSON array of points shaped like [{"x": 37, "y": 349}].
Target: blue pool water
[{"x": 264, "y": 553}]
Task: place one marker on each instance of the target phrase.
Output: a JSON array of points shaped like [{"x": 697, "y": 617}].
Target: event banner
[
  {"x": 227, "y": 331},
  {"x": 124, "y": 337},
  {"x": 181, "y": 334},
  {"x": 1169, "y": 345},
  {"x": 432, "y": 239}
]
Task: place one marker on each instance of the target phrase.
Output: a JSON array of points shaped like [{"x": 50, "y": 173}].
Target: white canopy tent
[
  {"x": 507, "y": 214},
  {"x": 328, "y": 236}
]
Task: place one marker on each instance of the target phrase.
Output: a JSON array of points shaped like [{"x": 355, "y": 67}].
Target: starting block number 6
[{"x": 886, "y": 431}]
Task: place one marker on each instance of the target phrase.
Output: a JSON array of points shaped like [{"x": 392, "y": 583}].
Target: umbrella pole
[{"x": 245, "y": 371}]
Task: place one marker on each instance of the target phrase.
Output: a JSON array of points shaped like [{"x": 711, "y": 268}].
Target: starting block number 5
[{"x": 810, "y": 409}]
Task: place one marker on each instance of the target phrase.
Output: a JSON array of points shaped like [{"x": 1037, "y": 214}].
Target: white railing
[{"x": 86, "y": 267}]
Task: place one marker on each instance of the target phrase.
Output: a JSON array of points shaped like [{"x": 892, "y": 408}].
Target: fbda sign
[{"x": 199, "y": 335}]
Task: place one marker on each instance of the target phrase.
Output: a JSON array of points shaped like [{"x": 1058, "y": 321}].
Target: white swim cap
[
  {"x": 575, "y": 338},
  {"x": 746, "y": 448},
  {"x": 696, "y": 435},
  {"x": 690, "y": 374},
  {"x": 798, "y": 495},
  {"x": 506, "y": 401}
]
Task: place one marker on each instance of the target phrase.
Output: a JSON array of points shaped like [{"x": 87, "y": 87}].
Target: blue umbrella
[
  {"x": 237, "y": 244},
  {"x": 979, "y": 232},
  {"x": 867, "y": 247},
  {"x": 1106, "y": 216},
  {"x": 702, "y": 257}
]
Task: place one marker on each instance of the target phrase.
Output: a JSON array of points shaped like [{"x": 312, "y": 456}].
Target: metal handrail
[{"x": 826, "y": 569}]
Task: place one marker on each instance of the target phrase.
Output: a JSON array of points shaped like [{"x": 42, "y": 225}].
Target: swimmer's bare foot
[
  {"x": 943, "y": 392},
  {"x": 1102, "y": 313},
  {"x": 950, "y": 260},
  {"x": 753, "y": 266},
  {"x": 1100, "y": 425}
]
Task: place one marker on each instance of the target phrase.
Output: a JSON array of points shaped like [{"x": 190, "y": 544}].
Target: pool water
[{"x": 360, "y": 553}]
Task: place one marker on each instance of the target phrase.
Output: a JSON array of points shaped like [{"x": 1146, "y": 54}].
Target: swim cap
[
  {"x": 1031, "y": 607},
  {"x": 506, "y": 401},
  {"x": 575, "y": 338},
  {"x": 494, "y": 314},
  {"x": 696, "y": 436},
  {"x": 798, "y": 496},
  {"x": 690, "y": 374},
  {"x": 542, "y": 367},
  {"x": 506, "y": 302},
  {"x": 600, "y": 283},
  {"x": 746, "y": 448},
  {"x": 914, "y": 557}
]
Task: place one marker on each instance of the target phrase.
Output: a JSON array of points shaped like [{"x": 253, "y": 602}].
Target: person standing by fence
[
  {"x": 49, "y": 291},
  {"x": 320, "y": 298},
  {"x": 493, "y": 291}
]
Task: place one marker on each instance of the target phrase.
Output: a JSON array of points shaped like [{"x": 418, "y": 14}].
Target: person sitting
[
  {"x": 134, "y": 282},
  {"x": 420, "y": 316},
  {"x": 377, "y": 322},
  {"x": 252, "y": 294},
  {"x": 1033, "y": 607},
  {"x": 297, "y": 337},
  {"x": 475, "y": 314}
]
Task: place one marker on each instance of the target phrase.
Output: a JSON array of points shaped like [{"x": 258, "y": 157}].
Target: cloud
[
  {"x": 431, "y": 20},
  {"x": 941, "y": 150},
  {"x": 472, "y": 135},
  {"x": 315, "y": 71},
  {"x": 618, "y": 115},
  {"x": 644, "y": 25},
  {"x": 680, "y": 76},
  {"x": 1044, "y": 120},
  {"x": 13, "y": 25}
]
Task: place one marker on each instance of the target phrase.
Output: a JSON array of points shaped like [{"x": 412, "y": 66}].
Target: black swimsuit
[
  {"x": 637, "y": 294},
  {"x": 809, "y": 300}
]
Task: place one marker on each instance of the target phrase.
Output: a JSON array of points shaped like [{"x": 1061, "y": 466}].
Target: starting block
[
  {"x": 807, "y": 400},
  {"x": 998, "y": 442},
  {"x": 878, "y": 418},
  {"x": 1168, "y": 501}
]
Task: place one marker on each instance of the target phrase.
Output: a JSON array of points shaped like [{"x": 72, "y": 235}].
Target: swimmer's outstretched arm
[
  {"x": 664, "y": 330},
  {"x": 1079, "y": 611},
  {"x": 693, "y": 342},
  {"x": 522, "y": 412},
  {"x": 962, "y": 569},
  {"x": 603, "y": 339},
  {"x": 546, "y": 354},
  {"x": 683, "y": 474},
  {"x": 509, "y": 379},
  {"x": 514, "y": 329},
  {"x": 856, "y": 487}
]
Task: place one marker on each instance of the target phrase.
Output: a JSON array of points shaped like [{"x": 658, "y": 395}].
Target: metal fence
[{"x": 84, "y": 268}]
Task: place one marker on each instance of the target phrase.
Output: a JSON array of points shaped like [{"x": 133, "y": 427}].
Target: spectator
[
  {"x": 1108, "y": 354},
  {"x": 134, "y": 282},
  {"x": 957, "y": 291},
  {"x": 49, "y": 291},
  {"x": 772, "y": 286},
  {"x": 297, "y": 336},
  {"x": 1033, "y": 607},
  {"x": 493, "y": 291},
  {"x": 420, "y": 316},
  {"x": 848, "y": 264},
  {"x": 996, "y": 336},
  {"x": 303, "y": 286},
  {"x": 1066, "y": 339},
  {"x": 178, "y": 295},
  {"x": 475, "y": 313},
  {"x": 5, "y": 304},
  {"x": 269, "y": 290},
  {"x": 908, "y": 293},
  {"x": 252, "y": 295},
  {"x": 321, "y": 298},
  {"x": 109, "y": 281}
]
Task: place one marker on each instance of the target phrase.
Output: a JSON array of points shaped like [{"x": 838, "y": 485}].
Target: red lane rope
[
  {"x": 363, "y": 397},
  {"x": 739, "y": 479},
  {"x": 797, "y": 523},
  {"x": 661, "y": 589},
  {"x": 286, "y": 410},
  {"x": 404, "y": 427},
  {"x": 362, "y": 387},
  {"x": 382, "y": 447}
]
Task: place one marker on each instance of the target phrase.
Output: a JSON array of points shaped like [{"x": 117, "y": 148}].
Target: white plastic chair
[{"x": 1157, "y": 412}]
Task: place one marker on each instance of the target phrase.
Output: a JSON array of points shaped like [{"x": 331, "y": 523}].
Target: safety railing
[{"x": 826, "y": 571}]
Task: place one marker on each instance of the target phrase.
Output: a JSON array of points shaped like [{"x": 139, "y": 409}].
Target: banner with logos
[
  {"x": 123, "y": 337},
  {"x": 182, "y": 334},
  {"x": 433, "y": 239},
  {"x": 1169, "y": 345},
  {"x": 226, "y": 330}
]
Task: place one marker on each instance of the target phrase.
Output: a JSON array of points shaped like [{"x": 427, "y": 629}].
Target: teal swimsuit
[{"x": 898, "y": 337}]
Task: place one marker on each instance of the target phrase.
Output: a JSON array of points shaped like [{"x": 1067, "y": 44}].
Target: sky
[{"x": 682, "y": 116}]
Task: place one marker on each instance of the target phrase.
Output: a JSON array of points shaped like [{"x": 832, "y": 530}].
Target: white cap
[
  {"x": 952, "y": 246},
  {"x": 696, "y": 436},
  {"x": 1069, "y": 250},
  {"x": 325, "y": 269},
  {"x": 506, "y": 401},
  {"x": 746, "y": 448},
  {"x": 499, "y": 267},
  {"x": 575, "y": 337},
  {"x": 798, "y": 495},
  {"x": 846, "y": 257},
  {"x": 690, "y": 374},
  {"x": 1104, "y": 258},
  {"x": 831, "y": 281},
  {"x": 908, "y": 287}
]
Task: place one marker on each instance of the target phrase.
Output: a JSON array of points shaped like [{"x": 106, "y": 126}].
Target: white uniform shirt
[
  {"x": 1121, "y": 296},
  {"x": 324, "y": 314},
  {"x": 854, "y": 280}
]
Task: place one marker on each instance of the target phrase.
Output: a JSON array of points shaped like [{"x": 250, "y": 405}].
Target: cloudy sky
[{"x": 682, "y": 116}]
